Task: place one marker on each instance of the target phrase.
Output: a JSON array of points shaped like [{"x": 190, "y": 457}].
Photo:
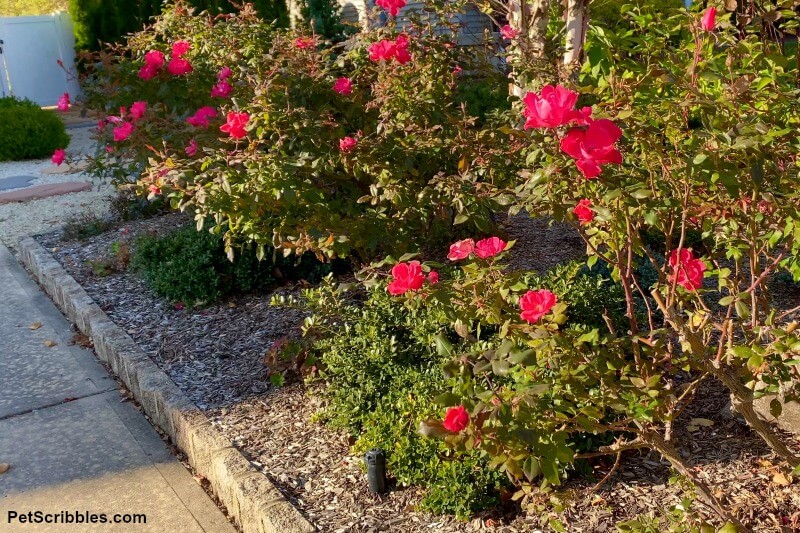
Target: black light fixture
[{"x": 376, "y": 470}]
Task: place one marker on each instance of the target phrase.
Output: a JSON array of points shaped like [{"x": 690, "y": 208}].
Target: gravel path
[{"x": 40, "y": 216}]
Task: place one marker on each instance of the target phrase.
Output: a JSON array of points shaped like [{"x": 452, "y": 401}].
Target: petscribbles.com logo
[{"x": 74, "y": 517}]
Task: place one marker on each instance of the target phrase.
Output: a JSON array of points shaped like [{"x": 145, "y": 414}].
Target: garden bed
[{"x": 216, "y": 355}]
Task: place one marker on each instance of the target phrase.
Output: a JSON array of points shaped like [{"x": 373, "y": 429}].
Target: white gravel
[{"x": 48, "y": 214}]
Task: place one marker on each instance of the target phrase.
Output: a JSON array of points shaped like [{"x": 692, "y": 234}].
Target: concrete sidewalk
[{"x": 72, "y": 445}]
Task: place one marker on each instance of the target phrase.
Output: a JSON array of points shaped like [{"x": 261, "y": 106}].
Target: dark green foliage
[
  {"x": 383, "y": 371},
  {"x": 192, "y": 267},
  {"x": 693, "y": 239},
  {"x": 127, "y": 206},
  {"x": 28, "y": 132},
  {"x": 324, "y": 17},
  {"x": 10, "y": 101},
  {"x": 483, "y": 96},
  {"x": 608, "y": 13},
  {"x": 97, "y": 21},
  {"x": 589, "y": 292}
]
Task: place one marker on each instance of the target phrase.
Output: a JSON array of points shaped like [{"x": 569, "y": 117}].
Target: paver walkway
[{"x": 73, "y": 446}]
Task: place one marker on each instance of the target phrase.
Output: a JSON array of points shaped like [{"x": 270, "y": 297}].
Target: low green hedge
[
  {"x": 28, "y": 132},
  {"x": 191, "y": 267},
  {"x": 383, "y": 369}
]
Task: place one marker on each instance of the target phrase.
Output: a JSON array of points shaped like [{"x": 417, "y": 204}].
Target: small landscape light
[{"x": 376, "y": 470}]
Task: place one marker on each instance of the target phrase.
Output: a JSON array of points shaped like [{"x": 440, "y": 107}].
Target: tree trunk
[
  {"x": 576, "y": 15},
  {"x": 531, "y": 19}
]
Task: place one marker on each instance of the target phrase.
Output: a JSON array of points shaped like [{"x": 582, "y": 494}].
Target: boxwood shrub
[
  {"x": 191, "y": 266},
  {"x": 384, "y": 367},
  {"x": 28, "y": 132}
]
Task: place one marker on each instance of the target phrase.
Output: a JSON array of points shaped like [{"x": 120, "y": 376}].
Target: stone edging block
[{"x": 251, "y": 499}]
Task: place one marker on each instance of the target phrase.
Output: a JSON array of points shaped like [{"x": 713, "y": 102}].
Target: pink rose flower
[
  {"x": 457, "y": 70},
  {"x": 381, "y": 51},
  {"x": 235, "y": 125},
  {"x": 347, "y": 144},
  {"x": 490, "y": 247},
  {"x": 201, "y": 117},
  {"x": 709, "y": 20},
  {"x": 406, "y": 277},
  {"x": 433, "y": 277},
  {"x": 154, "y": 59},
  {"x": 138, "y": 109},
  {"x": 58, "y": 156},
  {"x": 224, "y": 74},
  {"x": 386, "y": 50},
  {"x": 401, "y": 54},
  {"x": 148, "y": 72},
  {"x": 536, "y": 304},
  {"x": 593, "y": 147},
  {"x": 553, "y": 107},
  {"x": 689, "y": 270},
  {"x": 392, "y": 7},
  {"x": 179, "y": 48},
  {"x": 154, "y": 189},
  {"x": 191, "y": 148},
  {"x": 304, "y": 43},
  {"x": 461, "y": 249},
  {"x": 101, "y": 125},
  {"x": 343, "y": 86},
  {"x": 123, "y": 131},
  {"x": 509, "y": 33},
  {"x": 222, "y": 89},
  {"x": 584, "y": 211},
  {"x": 179, "y": 66},
  {"x": 456, "y": 419},
  {"x": 63, "y": 102}
]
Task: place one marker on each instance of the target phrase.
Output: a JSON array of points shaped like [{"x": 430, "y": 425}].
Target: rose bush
[
  {"x": 299, "y": 145},
  {"x": 702, "y": 142},
  {"x": 387, "y": 364}
]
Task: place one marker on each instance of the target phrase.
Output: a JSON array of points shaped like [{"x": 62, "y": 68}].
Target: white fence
[{"x": 31, "y": 48}]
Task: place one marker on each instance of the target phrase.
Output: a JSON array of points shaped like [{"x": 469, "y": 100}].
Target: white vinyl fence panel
[{"x": 31, "y": 48}]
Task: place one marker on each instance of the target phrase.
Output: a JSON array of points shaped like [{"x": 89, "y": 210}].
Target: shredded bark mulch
[{"x": 217, "y": 355}]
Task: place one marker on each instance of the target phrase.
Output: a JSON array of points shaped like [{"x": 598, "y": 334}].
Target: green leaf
[
  {"x": 500, "y": 367},
  {"x": 743, "y": 352},
  {"x": 524, "y": 357},
  {"x": 446, "y": 399},
  {"x": 531, "y": 468},
  {"x": 549, "y": 467},
  {"x": 528, "y": 436},
  {"x": 775, "y": 407},
  {"x": 443, "y": 346},
  {"x": 754, "y": 362}
]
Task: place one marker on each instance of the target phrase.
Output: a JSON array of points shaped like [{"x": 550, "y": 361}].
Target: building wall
[{"x": 358, "y": 12}]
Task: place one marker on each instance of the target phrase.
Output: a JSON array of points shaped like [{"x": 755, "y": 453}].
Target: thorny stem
[
  {"x": 654, "y": 440},
  {"x": 625, "y": 272},
  {"x": 608, "y": 475},
  {"x": 741, "y": 396}
]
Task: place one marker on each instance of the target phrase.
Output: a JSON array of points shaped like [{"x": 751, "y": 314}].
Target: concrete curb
[{"x": 252, "y": 500}]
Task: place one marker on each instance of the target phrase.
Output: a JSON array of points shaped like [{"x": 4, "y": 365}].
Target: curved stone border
[{"x": 253, "y": 501}]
